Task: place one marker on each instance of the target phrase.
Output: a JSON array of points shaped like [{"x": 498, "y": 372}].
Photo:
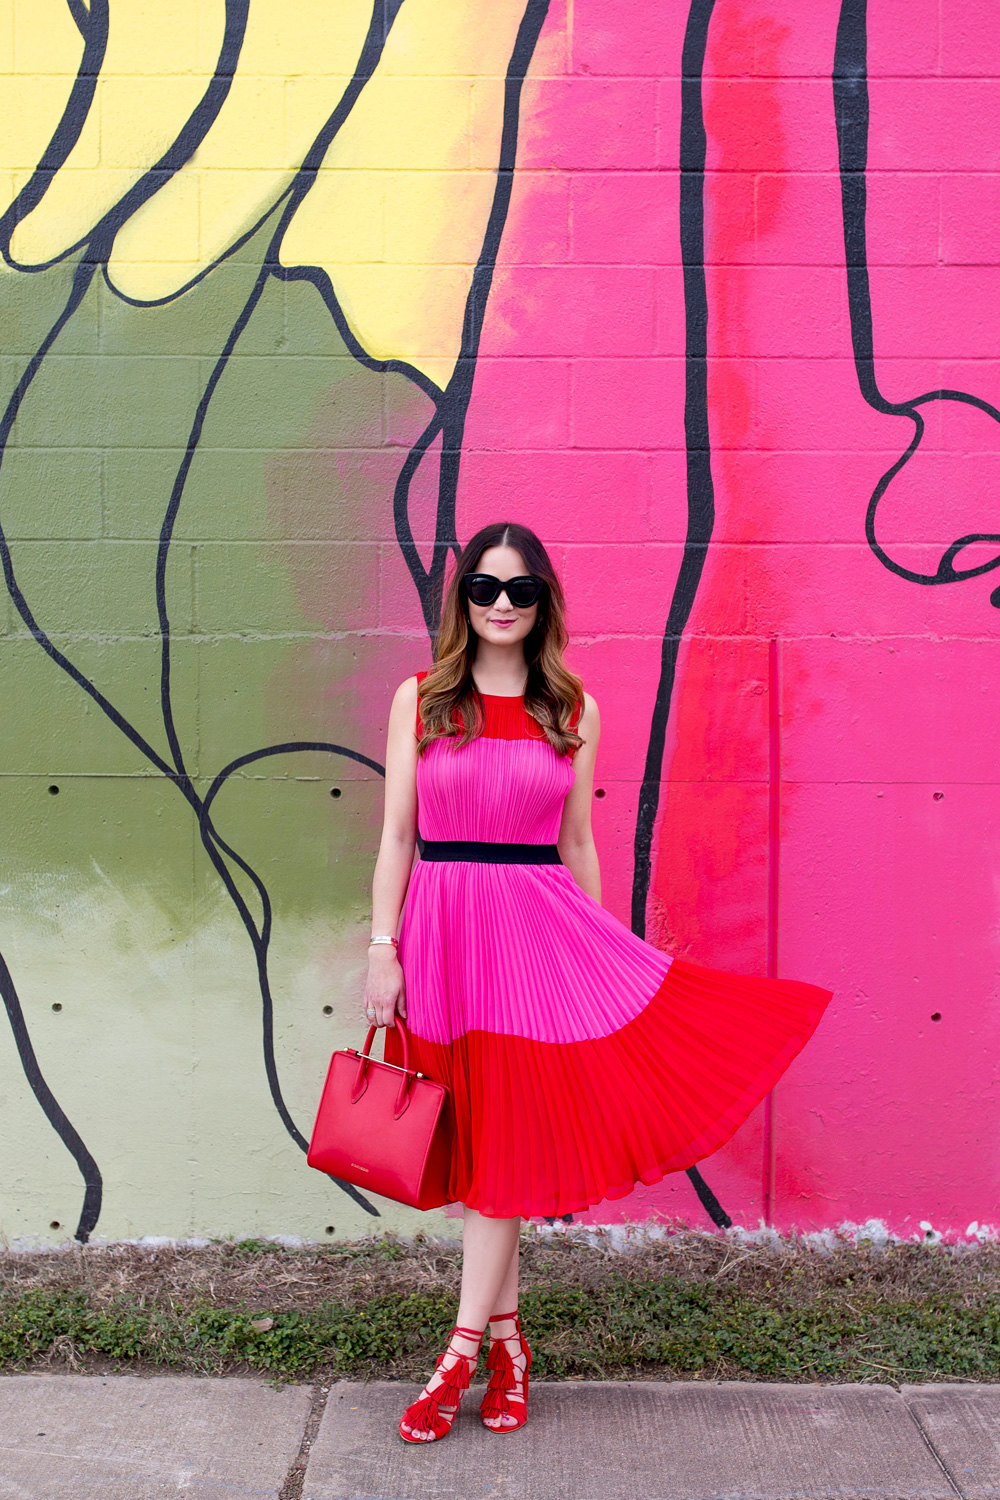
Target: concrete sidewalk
[{"x": 132, "y": 1438}]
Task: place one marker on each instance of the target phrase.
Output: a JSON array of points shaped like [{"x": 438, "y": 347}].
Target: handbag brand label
[{"x": 358, "y": 1168}]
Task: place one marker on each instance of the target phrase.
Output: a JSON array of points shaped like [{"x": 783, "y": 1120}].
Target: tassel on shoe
[
  {"x": 505, "y": 1379},
  {"x": 425, "y": 1414},
  {"x": 502, "y": 1380}
]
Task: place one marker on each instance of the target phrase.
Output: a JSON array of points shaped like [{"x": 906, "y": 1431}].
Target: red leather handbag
[{"x": 384, "y": 1128}]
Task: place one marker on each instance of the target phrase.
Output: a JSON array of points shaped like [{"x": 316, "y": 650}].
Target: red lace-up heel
[
  {"x": 507, "y": 1383},
  {"x": 437, "y": 1406}
]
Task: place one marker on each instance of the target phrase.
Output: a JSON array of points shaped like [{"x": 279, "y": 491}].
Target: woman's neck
[{"x": 500, "y": 671}]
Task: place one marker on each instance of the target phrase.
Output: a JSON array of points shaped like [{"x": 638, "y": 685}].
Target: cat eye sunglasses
[{"x": 523, "y": 591}]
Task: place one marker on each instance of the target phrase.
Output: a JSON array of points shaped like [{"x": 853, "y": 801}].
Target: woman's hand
[{"x": 385, "y": 988}]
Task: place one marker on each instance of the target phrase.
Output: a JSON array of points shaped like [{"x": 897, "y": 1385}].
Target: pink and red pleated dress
[{"x": 581, "y": 1060}]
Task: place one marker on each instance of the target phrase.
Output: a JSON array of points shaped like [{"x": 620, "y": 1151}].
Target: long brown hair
[{"x": 451, "y": 706}]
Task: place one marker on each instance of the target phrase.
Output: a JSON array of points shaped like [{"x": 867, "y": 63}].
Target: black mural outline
[
  {"x": 852, "y": 114},
  {"x": 455, "y": 401},
  {"x": 207, "y": 270},
  {"x": 81, "y": 16},
  {"x": 261, "y": 936},
  {"x": 53, "y": 1111},
  {"x": 100, "y": 238},
  {"x": 700, "y": 487},
  {"x": 379, "y": 28},
  {"x": 56, "y": 1116},
  {"x": 452, "y": 403},
  {"x": 66, "y": 134}
]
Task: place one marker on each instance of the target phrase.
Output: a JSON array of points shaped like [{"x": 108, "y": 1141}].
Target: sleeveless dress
[{"x": 581, "y": 1060}]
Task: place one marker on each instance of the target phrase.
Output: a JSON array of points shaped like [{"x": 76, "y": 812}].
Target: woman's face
[{"x": 500, "y": 622}]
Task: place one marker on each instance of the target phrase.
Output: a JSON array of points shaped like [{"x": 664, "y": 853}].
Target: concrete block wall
[{"x": 292, "y": 303}]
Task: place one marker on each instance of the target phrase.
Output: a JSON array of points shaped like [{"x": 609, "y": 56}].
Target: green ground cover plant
[{"x": 692, "y": 1306}]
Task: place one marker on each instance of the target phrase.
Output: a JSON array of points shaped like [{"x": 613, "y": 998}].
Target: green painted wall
[{"x": 135, "y": 975}]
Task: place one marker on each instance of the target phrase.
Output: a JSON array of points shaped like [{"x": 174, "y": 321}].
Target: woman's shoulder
[
  {"x": 408, "y": 687},
  {"x": 587, "y": 716},
  {"x": 404, "y": 699}
]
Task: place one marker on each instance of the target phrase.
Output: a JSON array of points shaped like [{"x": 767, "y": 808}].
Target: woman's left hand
[{"x": 385, "y": 987}]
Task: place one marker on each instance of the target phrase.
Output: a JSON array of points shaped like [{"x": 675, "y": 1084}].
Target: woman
[{"x": 580, "y": 1059}]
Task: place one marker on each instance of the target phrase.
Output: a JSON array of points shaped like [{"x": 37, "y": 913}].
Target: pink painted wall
[{"x": 876, "y": 762}]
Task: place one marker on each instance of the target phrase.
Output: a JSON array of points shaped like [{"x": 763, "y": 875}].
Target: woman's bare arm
[
  {"x": 384, "y": 987},
  {"x": 576, "y": 837}
]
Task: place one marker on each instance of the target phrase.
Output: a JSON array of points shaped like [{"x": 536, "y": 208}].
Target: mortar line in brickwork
[{"x": 773, "y": 893}]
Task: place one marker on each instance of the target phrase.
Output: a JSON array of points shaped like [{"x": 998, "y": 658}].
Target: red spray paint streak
[
  {"x": 709, "y": 889},
  {"x": 715, "y": 883},
  {"x": 773, "y": 891}
]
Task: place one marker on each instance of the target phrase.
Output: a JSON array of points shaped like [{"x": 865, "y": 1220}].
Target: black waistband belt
[{"x": 482, "y": 853}]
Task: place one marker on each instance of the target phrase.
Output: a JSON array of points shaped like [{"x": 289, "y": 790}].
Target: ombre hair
[{"x": 451, "y": 706}]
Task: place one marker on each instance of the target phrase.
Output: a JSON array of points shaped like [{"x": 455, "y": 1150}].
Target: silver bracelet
[{"x": 378, "y": 941}]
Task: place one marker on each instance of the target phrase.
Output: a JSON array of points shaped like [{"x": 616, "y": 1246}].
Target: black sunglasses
[{"x": 523, "y": 592}]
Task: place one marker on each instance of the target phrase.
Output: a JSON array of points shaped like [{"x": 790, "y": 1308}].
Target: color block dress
[{"x": 581, "y": 1060}]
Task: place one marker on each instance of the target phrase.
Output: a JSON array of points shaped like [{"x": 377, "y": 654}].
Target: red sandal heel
[
  {"x": 507, "y": 1382},
  {"x": 437, "y": 1406}
]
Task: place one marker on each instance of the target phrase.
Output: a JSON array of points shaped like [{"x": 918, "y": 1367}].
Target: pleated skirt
[{"x": 545, "y": 1128}]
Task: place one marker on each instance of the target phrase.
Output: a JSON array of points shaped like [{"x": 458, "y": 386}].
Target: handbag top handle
[{"x": 406, "y": 1073}]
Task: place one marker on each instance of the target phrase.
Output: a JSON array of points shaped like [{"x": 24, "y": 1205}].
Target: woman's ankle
[
  {"x": 503, "y": 1330},
  {"x": 466, "y": 1345}
]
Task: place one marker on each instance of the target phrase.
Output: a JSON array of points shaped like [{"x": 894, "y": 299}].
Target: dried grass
[
  {"x": 252, "y": 1273},
  {"x": 691, "y": 1306}
]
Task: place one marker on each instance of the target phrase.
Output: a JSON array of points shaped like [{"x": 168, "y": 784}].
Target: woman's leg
[
  {"x": 489, "y": 1260},
  {"x": 507, "y": 1300},
  {"x": 504, "y": 1330},
  {"x": 489, "y": 1252}
]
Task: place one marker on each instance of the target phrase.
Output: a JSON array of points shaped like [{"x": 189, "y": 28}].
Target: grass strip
[{"x": 383, "y": 1310}]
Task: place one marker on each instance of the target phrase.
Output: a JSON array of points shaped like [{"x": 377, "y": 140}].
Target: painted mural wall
[{"x": 295, "y": 297}]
